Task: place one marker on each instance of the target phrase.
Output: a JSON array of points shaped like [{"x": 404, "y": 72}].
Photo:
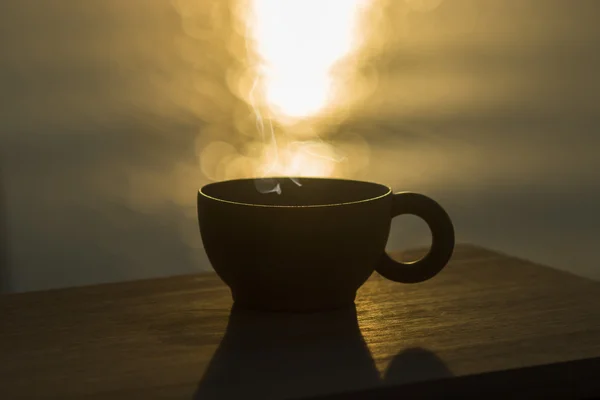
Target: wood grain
[{"x": 488, "y": 323}]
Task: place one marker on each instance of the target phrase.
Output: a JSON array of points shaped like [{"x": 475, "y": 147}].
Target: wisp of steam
[
  {"x": 296, "y": 45},
  {"x": 298, "y": 57}
]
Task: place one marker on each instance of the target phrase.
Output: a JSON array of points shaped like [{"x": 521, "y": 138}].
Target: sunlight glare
[{"x": 298, "y": 43}]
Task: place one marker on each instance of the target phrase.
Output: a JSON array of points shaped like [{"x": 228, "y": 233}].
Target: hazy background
[{"x": 490, "y": 106}]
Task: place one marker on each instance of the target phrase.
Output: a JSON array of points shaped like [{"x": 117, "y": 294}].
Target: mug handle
[{"x": 442, "y": 242}]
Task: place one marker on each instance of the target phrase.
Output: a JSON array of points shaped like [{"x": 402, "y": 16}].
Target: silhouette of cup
[{"x": 313, "y": 245}]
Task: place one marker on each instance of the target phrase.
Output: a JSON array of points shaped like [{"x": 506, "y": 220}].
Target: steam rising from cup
[
  {"x": 300, "y": 61},
  {"x": 297, "y": 51}
]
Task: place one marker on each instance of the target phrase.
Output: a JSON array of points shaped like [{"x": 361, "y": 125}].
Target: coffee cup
[{"x": 310, "y": 245}]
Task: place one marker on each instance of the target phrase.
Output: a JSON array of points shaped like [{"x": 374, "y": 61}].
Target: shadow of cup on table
[
  {"x": 415, "y": 364},
  {"x": 267, "y": 355}
]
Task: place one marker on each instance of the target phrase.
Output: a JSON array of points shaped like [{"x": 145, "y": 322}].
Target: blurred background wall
[{"x": 490, "y": 106}]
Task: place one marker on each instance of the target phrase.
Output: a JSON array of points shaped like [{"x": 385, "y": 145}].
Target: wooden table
[{"x": 490, "y": 325}]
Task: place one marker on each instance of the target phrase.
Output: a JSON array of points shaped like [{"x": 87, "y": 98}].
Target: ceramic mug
[{"x": 311, "y": 246}]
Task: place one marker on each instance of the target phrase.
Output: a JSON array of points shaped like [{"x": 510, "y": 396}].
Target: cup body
[{"x": 309, "y": 248}]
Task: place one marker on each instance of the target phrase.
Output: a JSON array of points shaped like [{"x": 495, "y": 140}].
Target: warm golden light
[
  {"x": 306, "y": 158},
  {"x": 298, "y": 43},
  {"x": 296, "y": 74}
]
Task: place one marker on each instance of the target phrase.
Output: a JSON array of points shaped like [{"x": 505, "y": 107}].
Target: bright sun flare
[
  {"x": 293, "y": 47},
  {"x": 298, "y": 43}
]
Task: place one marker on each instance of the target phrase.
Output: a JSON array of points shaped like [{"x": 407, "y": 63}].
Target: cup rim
[{"x": 239, "y": 203}]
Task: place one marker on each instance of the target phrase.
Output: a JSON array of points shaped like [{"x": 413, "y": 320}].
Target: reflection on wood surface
[{"x": 176, "y": 337}]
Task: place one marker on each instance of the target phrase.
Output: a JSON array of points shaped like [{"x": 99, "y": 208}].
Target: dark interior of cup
[{"x": 309, "y": 191}]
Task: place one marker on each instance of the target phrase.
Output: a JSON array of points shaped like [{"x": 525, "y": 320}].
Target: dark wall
[{"x": 5, "y": 280}]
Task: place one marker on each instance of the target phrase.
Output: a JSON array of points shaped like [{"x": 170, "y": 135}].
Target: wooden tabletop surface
[{"x": 489, "y": 324}]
